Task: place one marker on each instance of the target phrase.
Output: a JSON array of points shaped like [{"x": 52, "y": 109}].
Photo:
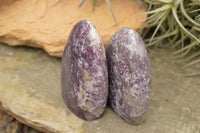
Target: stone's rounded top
[
  {"x": 82, "y": 27},
  {"x": 84, "y": 22},
  {"x": 86, "y": 33},
  {"x": 129, "y": 38}
]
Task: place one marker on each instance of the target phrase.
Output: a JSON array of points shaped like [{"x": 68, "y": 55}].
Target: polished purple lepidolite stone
[
  {"x": 84, "y": 72},
  {"x": 129, "y": 75}
]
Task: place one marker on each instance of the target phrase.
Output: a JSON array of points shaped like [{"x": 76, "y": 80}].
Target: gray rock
[{"x": 30, "y": 91}]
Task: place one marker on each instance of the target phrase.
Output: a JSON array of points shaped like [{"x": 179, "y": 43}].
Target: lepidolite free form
[
  {"x": 84, "y": 73},
  {"x": 129, "y": 75}
]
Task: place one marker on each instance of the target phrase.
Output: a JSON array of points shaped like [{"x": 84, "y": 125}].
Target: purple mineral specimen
[
  {"x": 129, "y": 75},
  {"x": 84, "y": 72}
]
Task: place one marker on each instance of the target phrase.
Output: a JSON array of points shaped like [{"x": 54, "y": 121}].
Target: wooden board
[{"x": 30, "y": 91}]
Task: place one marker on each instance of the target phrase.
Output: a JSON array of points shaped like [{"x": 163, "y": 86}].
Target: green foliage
[
  {"x": 82, "y": 2},
  {"x": 94, "y": 3},
  {"x": 173, "y": 20},
  {"x": 174, "y": 24}
]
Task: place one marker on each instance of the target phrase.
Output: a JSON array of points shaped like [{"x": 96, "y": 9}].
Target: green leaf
[
  {"x": 187, "y": 16},
  {"x": 110, "y": 7},
  {"x": 81, "y": 3},
  {"x": 188, "y": 46},
  {"x": 192, "y": 74},
  {"x": 58, "y": 1},
  {"x": 159, "y": 24},
  {"x": 192, "y": 63},
  {"x": 142, "y": 3},
  {"x": 165, "y": 7},
  {"x": 94, "y": 3},
  {"x": 165, "y": 1},
  {"x": 180, "y": 24}
]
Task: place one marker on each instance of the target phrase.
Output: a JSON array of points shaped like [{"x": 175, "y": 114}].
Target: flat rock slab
[
  {"x": 45, "y": 24},
  {"x": 9, "y": 124},
  {"x": 30, "y": 90}
]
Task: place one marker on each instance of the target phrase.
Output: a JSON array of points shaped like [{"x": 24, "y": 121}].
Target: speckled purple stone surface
[
  {"x": 129, "y": 75},
  {"x": 84, "y": 72}
]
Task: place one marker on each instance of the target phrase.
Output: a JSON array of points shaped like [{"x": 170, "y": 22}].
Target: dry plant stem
[
  {"x": 81, "y": 3},
  {"x": 181, "y": 55},
  {"x": 192, "y": 74},
  {"x": 187, "y": 16},
  {"x": 174, "y": 11},
  {"x": 192, "y": 56},
  {"x": 188, "y": 46},
  {"x": 194, "y": 62},
  {"x": 110, "y": 7}
]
